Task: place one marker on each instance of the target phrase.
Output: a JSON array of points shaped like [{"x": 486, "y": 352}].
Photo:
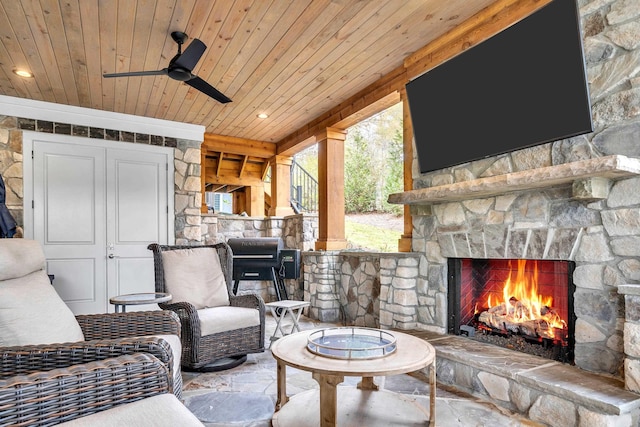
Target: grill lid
[{"x": 259, "y": 248}]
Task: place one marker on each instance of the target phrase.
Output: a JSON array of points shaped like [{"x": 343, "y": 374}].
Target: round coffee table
[{"x": 364, "y": 405}]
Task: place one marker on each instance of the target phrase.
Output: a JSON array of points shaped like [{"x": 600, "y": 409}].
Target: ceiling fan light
[
  {"x": 263, "y": 115},
  {"x": 22, "y": 73}
]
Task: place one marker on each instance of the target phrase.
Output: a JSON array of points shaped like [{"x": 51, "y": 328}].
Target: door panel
[
  {"x": 137, "y": 216},
  {"x": 96, "y": 209},
  {"x": 69, "y": 218}
]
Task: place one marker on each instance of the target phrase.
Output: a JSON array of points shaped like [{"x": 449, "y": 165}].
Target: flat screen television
[{"x": 525, "y": 86}]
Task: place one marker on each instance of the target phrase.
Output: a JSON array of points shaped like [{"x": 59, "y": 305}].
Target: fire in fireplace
[{"x": 525, "y": 305}]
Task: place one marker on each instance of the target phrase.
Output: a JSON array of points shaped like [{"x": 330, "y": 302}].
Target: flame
[{"x": 523, "y": 303}]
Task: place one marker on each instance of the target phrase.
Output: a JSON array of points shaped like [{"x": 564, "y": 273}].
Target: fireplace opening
[{"x": 523, "y": 305}]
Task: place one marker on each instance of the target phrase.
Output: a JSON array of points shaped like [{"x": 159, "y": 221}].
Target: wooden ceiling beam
[
  {"x": 244, "y": 163},
  {"x": 219, "y": 168},
  {"x": 385, "y": 92},
  {"x": 265, "y": 170},
  {"x": 233, "y": 180},
  {"x": 485, "y": 24},
  {"x": 233, "y": 145},
  {"x": 232, "y": 188},
  {"x": 217, "y": 188},
  {"x": 375, "y": 98}
]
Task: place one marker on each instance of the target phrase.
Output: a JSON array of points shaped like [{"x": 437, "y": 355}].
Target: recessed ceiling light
[
  {"x": 22, "y": 73},
  {"x": 262, "y": 116}
]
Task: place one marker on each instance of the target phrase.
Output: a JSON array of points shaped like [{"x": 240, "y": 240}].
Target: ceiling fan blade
[
  {"x": 207, "y": 89},
  {"x": 137, "y": 73},
  {"x": 191, "y": 55}
]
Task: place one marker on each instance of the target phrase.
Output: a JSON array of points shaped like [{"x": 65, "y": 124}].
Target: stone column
[
  {"x": 204, "y": 209},
  {"x": 631, "y": 294}
]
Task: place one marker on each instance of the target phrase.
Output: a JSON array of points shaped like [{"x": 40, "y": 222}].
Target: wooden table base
[{"x": 358, "y": 408}]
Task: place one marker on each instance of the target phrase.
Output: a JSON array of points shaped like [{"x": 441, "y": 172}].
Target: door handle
[{"x": 111, "y": 256}]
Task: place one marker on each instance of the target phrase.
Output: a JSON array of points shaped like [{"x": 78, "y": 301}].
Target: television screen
[{"x": 522, "y": 87}]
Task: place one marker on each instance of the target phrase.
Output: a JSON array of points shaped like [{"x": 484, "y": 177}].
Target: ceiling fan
[{"x": 180, "y": 68}]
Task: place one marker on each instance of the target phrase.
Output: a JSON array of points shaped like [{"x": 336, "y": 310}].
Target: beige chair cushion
[
  {"x": 176, "y": 349},
  {"x": 164, "y": 410},
  {"x": 195, "y": 276},
  {"x": 32, "y": 312},
  {"x": 223, "y": 319},
  {"x": 19, "y": 257}
]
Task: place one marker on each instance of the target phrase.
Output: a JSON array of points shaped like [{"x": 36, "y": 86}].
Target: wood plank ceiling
[
  {"x": 307, "y": 64},
  {"x": 292, "y": 59}
]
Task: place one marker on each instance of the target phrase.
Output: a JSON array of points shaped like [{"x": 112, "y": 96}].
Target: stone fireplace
[{"x": 584, "y": 212}]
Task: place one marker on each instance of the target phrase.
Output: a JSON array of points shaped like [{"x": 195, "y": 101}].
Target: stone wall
[
  {"x": 297, "y": 232},
  {"x": 602, "y": 237},
  {"x": 376, "y": 290}
]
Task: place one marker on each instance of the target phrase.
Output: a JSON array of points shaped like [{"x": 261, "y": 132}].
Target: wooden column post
[
  {"x": 331, "y": 234},
  {"x": 203, "y": 180},
  {"x": 254, "y": 196},
  {"x": 404, "y": 243},
  {"x": 280, "y": 186}
]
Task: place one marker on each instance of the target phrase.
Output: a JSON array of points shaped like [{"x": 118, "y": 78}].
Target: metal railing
[{"x": 304, "y": 190}]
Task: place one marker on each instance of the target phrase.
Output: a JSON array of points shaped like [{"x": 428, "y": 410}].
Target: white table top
[
  {"x": 412, "y": 354},
  {"x": 287, "y": 303},
  {"x": 141, "y": 298}
]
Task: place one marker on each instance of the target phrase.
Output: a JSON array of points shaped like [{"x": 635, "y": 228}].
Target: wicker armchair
[
  {"x": 39, "y": 332},
  {"x": 93, "y": 394},
  {"x": 233, "y": 337},
  {"x": 106, "y": 336}
]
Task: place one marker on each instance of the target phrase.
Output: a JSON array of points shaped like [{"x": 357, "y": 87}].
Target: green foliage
[
  {"x": 308, "y": 159},
  {"x": 374, "y": 162},
  {"x": 359, "y": 179},
  {"x": 394, "y": 179}
]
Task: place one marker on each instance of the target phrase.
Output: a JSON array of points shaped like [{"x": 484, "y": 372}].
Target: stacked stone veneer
[
  {"x": 378, "y": 290},
  {"x": 601, "y": 235}
]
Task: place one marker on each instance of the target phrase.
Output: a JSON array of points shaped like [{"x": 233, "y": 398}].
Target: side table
[
  {"x": 280, "y": 309},
  {"x": 122, "y": 301}
]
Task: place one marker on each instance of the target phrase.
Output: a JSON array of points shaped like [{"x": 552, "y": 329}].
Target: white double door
[{"x": 96, "y": 207}]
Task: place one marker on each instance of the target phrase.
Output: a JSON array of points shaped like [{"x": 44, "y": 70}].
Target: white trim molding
[{"x": 41, "y": 110}]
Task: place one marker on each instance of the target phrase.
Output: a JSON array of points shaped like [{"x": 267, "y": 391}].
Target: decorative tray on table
[{"x": 351, "y": 343}]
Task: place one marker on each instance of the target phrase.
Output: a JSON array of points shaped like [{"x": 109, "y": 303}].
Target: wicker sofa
[
  {"x": 129, "y": 390},
  {"x": 216, "y": 324},
  {"x": 38, "y": 332}
]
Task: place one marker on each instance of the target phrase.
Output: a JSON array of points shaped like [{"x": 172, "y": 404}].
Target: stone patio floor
[{"x": 245, "y": 395}]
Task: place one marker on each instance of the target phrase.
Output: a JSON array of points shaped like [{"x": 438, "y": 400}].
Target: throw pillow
[{"x": 194, "y": 275}]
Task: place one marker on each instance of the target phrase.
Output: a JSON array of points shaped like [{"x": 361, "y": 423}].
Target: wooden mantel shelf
[{"x": 610, "y": 167}]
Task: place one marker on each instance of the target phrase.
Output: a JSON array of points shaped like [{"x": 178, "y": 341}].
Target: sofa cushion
[
  {"x": 194, "y": 275},
  {"x": 32, "y": 312},
  {"x": 223, "y": 319},
  {"x": 19, "y": 257},
  {"x": 176, "y": 349},
  {"x": 164, "y": 410}
]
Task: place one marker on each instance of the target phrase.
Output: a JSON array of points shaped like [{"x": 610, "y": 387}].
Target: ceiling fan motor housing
[{"x": 180, "y": 74}]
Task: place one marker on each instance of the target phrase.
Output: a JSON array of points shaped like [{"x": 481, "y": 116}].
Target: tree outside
[{"x": 374, "y": 163}]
